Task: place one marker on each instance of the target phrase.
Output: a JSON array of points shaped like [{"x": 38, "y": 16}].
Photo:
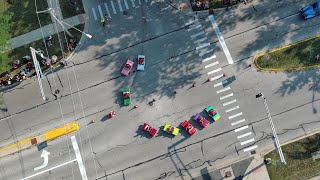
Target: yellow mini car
[{"x": 170, "y": 129}]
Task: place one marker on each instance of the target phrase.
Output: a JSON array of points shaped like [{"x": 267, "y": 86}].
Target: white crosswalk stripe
[
  {"x": 232, "y": 109},
  {"x": 246, "y": 142},
  {"x": 244, "y": 135},
  {"x": 216, "y": 77},
  {"x": 206, "y": 52},
  {"x": 197, "y": 34},
  {"x": 113, "y": 8},
  {"x": 235, "y": 115},
  {"x": 241, "y": 128},
  {"x": 194, "y": 27},
  {"x": 133, "y": 5},
  {"x": 126, "y": 4},
  {"x": 223, "y": 90},
  {"x": 100, "y": 11},
  {"x": 139, "y": 2},
  {"x": 212, "y": 64},
  {"x": 200, "y": 40},
  {"x": 106, "y": 6},
  {"x": 94, "y": 14},
  {"x": 226, "y": 96},
  {"x": 120, "y": 6},
  {"x": 203, "y": 46},
  {"x": 250, "y": 148},
  {"x": 238, "y": 122},
  {"x": 218, "y": 84},
  {"x": 230, "y": 102},
  {"x": 146, "y": 1},
  {"x": 214, "y": 71}
]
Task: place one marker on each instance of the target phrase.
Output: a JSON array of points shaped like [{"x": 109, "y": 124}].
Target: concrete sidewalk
[
  {"x": 256, "y": 170},
  {"x": 47, "y": 31}
]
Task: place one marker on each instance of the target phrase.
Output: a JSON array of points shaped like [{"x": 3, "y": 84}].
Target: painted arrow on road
[{"x": 45, "y": 155}]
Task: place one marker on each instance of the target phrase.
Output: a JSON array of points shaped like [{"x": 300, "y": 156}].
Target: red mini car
[
  {"x": 188, "y": 127},
  {"x": 152, "y": 131}
]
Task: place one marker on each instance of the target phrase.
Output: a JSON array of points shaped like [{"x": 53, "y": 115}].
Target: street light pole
[
  {"x": 275, "y": 137},
  {"x": 36, "y": 67}
]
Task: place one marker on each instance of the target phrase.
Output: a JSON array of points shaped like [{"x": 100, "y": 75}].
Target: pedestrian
[
  {"x": 135, "y": 106},
  {"x": 224, "y": 74},
  {"x": 49, "y": 40},
  {"x": 194, "y": 84}
]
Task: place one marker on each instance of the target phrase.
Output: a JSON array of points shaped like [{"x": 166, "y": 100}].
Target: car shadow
[{"x": 143, "y": 134}]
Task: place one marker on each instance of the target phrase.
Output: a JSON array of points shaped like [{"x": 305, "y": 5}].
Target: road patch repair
[
  {"x": 36, "y": 140},
  {"x": 300, "y": 55}
]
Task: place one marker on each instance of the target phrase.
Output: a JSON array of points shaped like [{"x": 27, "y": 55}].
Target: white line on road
[
  {"x": 94, "y": 14},
  {"x": 235, "y": 115},
  {"x": 206, "y": 52},
  {"x": 100, "y": 11},
  {"x": 244, "y": 135},
  {"x": 194, "y": 27},
  {"x": 108, "y": 12},
  {"x": 231, "y": 109},
  {"x": 50, "y": 169},
  {"x": 216, "y": 70},
  {"x": 221, "y": 40},
  {"x": 133, "y": 5},
  {"x": 218, "y": 84},
  {"x": 210, "y": 58},
  {"x": 197, "y": 34},
  {"x": 199, "y": 40},
  {"x": 226, "y": 96},
  {"x": 224, "y": 89},
  {"x": 246, "y": 142},
  {"x": 79, "y": 158},
  {"x": 146, "y": 1},
  {"x": 216, "y": 77},
  {"x": 230, "y": 102},
  {"x": 250, "y": 148},
  {"x": 120, "y": 6},
  {"x": 212, "y": 64},
  {"x": 190, "y": 22},
  {"x": 238, "y": 122},
  {"x": 203, "y": 46},
  {"x": 126, "y": 4},
  {"x": 241, "y": 128},
  {"x": 113, "y": 8},
  {"x": 139, "y": 2}
]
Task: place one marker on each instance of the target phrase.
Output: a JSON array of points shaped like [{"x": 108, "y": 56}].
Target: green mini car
[
  {"x": 212, "y": 113},
  {"x": 126, "y": 96},
  {"x": 170, "y": 129}
]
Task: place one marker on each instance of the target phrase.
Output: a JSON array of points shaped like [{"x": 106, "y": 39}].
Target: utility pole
[
  {"x": 38, "y": 69},
  {"x": 275, "y": 137}
]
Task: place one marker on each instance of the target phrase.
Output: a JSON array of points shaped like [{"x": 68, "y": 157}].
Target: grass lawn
[
  {"x": 23, "y": 15},
  {"x": 19, "y": 52},
  {"x": 299, "y": 55},
  {"x": 300, "y": 164},
  {"x": 71, "y": 9}
]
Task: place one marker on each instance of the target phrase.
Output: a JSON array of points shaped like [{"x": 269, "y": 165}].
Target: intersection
[{"x": 180, "y": 49}]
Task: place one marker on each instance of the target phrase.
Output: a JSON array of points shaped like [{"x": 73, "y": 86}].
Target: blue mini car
[{"x": 311, "y": 11}]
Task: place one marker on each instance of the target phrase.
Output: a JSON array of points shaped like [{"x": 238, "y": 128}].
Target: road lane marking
[
  {"x": 235, "y": 115},
  {"x": 200, "y": 40},
  {"x": 238, "y": 122},
  {"x": 120, "y": 6},
  {"x": 194, "y": 28},
  {"x": 230, "y": 102},
  {"x": 212, "y": 64},
  {"x": 244, "y": 135},
  {"x": 250, "y": 148},
  {"x": 79, "y": 158},
  {"x": 224, "y": 89},
  {"x": 108, "y": 12},
  {"x": 203, "y": 46},
  {"x": 126, "y": 4},
  {"x": 221, "y": 40},
  {"x": 246, "y": 142},
  {"x": 94, "y": 14},
  {"x": 231, "y": 109},
  {"x": 190, "y": 22},
  {"x": 226, "y": 96},
  {"x": 197, "y": 34},
  {"x": 133, "y": 5},
  {"x": 146, "y": 1},
  {"x": 100, "y": 12},
  {"x": 139, "y": 2},
  {"x": 206, "y": 52},
  {"x": 216, "y": 77},
  {"x": 214, "y": 71},
  {"x": 218, "y": 84},
  {"x": 50, "y": 169},
  {"x": 113, "y": 8},
  {"x": 210, "y": 58},
  {"x": 241, "y": 128}
]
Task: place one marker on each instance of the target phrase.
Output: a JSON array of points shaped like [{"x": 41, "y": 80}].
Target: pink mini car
[
  {"x": 152, "y": 131},
  {"x": 201, "y": 120},
  {"x": 127, "y": 67}
]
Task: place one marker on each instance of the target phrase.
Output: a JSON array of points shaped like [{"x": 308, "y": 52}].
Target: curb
[
  {"x": 36, "y": 140},
  {"x": 281, "y": 48}
]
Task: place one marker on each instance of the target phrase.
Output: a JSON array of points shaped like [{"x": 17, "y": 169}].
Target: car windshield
[
  {"x": 127, "y": 66},
  {"x": 141, "y": 61}
]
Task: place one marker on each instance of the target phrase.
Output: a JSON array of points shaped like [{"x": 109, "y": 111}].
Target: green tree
[{"x": 4, "y": 40}]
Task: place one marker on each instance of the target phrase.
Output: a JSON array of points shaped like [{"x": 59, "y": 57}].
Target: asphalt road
[{"x": 173, "y": 63}]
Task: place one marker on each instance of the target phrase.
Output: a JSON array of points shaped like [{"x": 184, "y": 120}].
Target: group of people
[
  {"x": 201, "y": 3},
  {"x": 71, "y": 45}
]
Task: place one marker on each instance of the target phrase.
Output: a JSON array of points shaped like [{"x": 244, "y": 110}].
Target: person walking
[{"x": 103, "y": 22}]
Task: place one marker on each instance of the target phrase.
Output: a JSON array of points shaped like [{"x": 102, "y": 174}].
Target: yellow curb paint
[
  {"x": 47, "y": 136},
  {"x": 280, "y": 48},
  {"x": 62, "y": 130}
]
